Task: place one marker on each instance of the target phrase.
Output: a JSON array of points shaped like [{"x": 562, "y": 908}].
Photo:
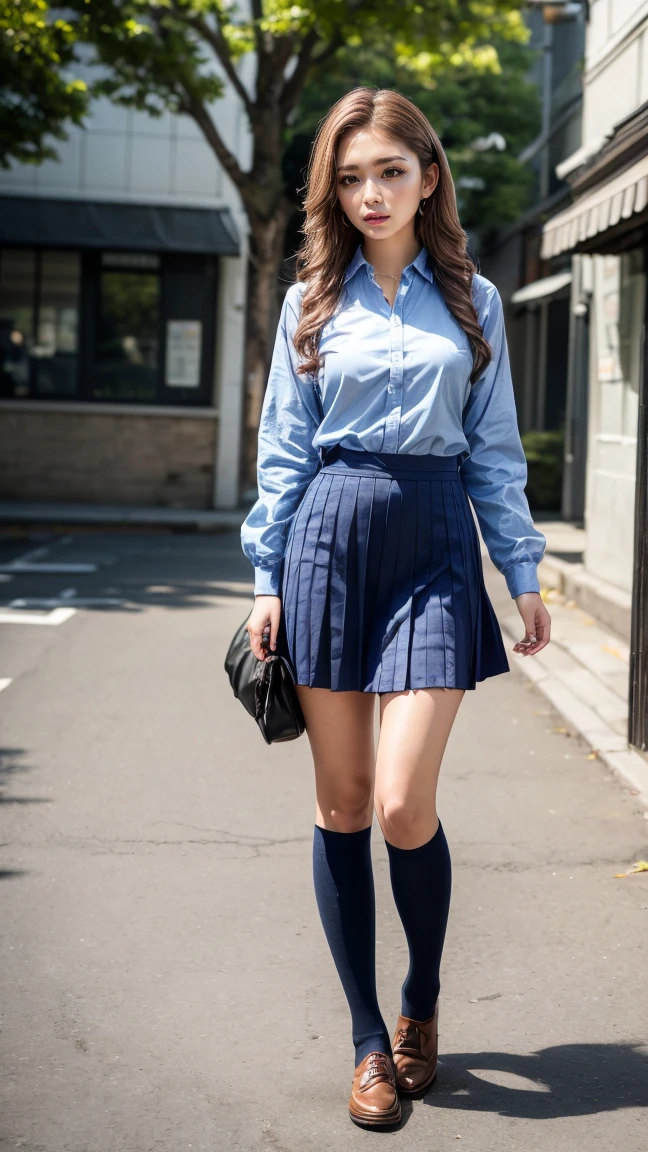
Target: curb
[
  {"x": 628, "y": 766},
  {"x": 107, "y": 515},
  {"x": 610, "y": 605}
]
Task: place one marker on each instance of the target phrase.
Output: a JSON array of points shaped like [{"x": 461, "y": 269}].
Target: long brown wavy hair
[{"x": 331, "y": 239}]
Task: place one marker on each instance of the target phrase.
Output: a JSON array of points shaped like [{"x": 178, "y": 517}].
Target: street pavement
[{"x": 166, "y": 980}]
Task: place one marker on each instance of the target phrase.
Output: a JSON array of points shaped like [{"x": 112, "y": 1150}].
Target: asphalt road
[{"x": 166, "y": 981}]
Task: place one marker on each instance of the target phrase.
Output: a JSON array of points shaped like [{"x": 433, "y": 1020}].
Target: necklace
[{"x": 389, "y": 275}]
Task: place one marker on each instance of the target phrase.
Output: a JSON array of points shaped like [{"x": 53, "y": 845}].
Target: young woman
[{"x": 389, "y": 403}]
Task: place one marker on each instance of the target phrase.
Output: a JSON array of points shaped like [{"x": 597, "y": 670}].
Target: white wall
[
  {"x": 614, "y": 85},
  {"x": 615, "y": 355},
  {"x": 124, "y": 155},
  {"x": 616, "y": 63}
]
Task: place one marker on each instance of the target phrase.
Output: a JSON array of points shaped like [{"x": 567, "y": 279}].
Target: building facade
[
  {"x": 122, "y": 308},
  {"x": 535, "y": 294},
  {"x": 604, "y": 233}
]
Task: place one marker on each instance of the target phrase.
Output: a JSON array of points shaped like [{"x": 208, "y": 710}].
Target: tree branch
[
  {"x": 256, "y": 7},
  {"x": 217, "y": 42},
  {"x": 293, "y": 86},
  {"x": 334, "y": 44},
  {"x": 192, "y": 106}
]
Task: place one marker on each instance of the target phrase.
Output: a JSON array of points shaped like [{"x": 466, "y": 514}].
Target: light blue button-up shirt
[{"x": 394, "y": 380}]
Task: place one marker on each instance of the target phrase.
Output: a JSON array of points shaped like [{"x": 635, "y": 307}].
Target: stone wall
[{"x": 107, "y": 458}]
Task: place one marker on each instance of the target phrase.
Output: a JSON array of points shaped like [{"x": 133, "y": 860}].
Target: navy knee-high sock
[
  {"x": 344, "y": 890},
  {"x": 421, "y": 881}
]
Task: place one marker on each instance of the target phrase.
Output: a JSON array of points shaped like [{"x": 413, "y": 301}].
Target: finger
[
  {"x": 532, "y": 648},
  {"x": 274, "y": 631},
  {"x": 256, "y": 645},
  {"x": 528, "y": 640},
  {"x": 528, "y": 644}
]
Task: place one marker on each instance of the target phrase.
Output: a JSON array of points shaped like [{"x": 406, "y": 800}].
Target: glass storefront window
[
  {"x": 39, "y": 312},
  {"x": 127, "y": 349},
  {"x": 55, "y": 349},
  {"x": 115, "y": 327},
  {"x": 17, "y": 299}
]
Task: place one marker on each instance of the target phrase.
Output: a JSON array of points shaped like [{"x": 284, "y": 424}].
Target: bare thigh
[
  {"x": 414, "y": 730},
  {"x": 340, "y": 728}
]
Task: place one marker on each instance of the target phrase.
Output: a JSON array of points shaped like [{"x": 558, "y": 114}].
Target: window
[
  {"x": 39, "y": 312},
  {"x": 120, "y": 327},
  {"x": 127, "y": 357},
  {"x": 57, "y": 322}
]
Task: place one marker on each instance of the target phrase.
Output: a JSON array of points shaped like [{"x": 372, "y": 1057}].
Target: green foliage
[
  {"x": 544, "y": 452},
  {"x": 462, "y": 102},
  {"x": 155, "y": 56},
  {"x": 157, "y": 51},
  {"x": 37, "y": 97}
]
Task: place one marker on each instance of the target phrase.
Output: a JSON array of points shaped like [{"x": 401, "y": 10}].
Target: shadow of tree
[
  {"x": 136, "y": 571},
  {"x": 562, "y": 1080},
  {"x": 12, "y": 764}
]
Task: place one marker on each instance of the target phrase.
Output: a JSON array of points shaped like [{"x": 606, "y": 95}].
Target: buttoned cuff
[
  {"x": 522, "y": 577},
  {"x": 267, "y": 581}
]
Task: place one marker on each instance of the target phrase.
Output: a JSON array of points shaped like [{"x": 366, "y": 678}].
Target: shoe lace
[
  {"x": 379, "y": 1065},
  {"x": 408, "y": 1033}
]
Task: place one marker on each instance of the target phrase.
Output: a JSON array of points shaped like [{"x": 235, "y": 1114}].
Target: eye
[{"x": 393, "y": 169}]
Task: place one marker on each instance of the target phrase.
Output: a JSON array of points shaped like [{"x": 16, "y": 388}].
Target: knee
[
  {"x": 348, "y": 811},
  {"x": 405, "y": 823}
]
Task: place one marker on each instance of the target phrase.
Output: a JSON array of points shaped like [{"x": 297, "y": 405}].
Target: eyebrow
[{"x": 381, "y": 160}]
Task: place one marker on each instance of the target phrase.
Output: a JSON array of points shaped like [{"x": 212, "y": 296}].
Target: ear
[{"x": 430, "y": 179}]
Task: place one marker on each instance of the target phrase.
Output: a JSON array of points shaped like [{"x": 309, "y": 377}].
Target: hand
[
  {"x": 537, "y": 623},
  {"x": 264, "y": 622}
]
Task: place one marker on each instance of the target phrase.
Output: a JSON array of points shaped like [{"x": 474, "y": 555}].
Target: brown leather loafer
[
  {"x": 374, "y": 1097},
  {"x": 415, "y": 1046}
]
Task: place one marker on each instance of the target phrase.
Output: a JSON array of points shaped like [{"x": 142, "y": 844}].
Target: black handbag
[{"x": 265, "y": 688}]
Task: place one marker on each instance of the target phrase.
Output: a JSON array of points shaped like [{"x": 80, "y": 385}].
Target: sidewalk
[
  {"x": 60, "y": 513},
  {"x": 585, "y": 669}
]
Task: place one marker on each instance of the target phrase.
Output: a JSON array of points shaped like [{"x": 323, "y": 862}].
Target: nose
[{"x": 372, "y": 193}]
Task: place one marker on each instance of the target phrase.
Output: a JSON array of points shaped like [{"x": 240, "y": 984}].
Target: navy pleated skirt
[{"x": 382, "y": 585}]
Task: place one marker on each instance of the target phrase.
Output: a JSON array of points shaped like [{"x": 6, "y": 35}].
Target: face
[{"x": 380, "y": 183}]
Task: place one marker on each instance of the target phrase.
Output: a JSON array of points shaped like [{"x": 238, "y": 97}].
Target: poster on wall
[{"x": 183, "y": 353}]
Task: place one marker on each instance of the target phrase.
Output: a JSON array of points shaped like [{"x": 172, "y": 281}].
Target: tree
[
  {"x": 484, "y": 117},
  {"x": 176, "y": 55},
  {"x": 37, "y": 99}
]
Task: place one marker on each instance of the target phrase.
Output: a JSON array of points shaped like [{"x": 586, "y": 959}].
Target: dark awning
[{"x": 134, "y": 227}]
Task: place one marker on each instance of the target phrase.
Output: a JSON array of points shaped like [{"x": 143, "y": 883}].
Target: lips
[{"x": 376, "y": 219}]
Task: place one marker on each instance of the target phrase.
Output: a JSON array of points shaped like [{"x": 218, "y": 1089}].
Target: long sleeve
[
  {"x": 286, "y": 458},
  {"x": 495, "y": 473}
]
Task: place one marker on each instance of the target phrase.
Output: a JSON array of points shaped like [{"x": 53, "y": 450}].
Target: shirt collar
[{"x": 422, "y": 262}]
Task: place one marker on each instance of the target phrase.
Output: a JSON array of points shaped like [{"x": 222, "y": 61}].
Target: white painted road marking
[
  {"x": 64, "y": 601},
  {"x": 57, "y": 616},
  {"x": 21, "y": 566},
  {"x": 31, "y": 562},
  {"x": 4, "y": 684}
]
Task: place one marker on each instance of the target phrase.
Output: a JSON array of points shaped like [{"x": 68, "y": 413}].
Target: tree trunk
[{"x": 267, "y": 241}]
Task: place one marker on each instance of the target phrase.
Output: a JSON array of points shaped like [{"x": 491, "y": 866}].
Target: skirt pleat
[{"x": 382, "y": 582}]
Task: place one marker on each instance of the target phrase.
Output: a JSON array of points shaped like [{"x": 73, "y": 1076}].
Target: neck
[{"x": 393, "y": 254}]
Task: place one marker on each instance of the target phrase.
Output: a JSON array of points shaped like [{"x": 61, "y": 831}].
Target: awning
[
  {"x": 134, "y": 227},
  {"x": 597, "y": 210},
  {"x": 541, "y": 289}
]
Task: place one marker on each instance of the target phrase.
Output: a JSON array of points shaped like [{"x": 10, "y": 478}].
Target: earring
[
  {"x": 422, "y": 205},
  {"x": 345, "y": 221}
]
